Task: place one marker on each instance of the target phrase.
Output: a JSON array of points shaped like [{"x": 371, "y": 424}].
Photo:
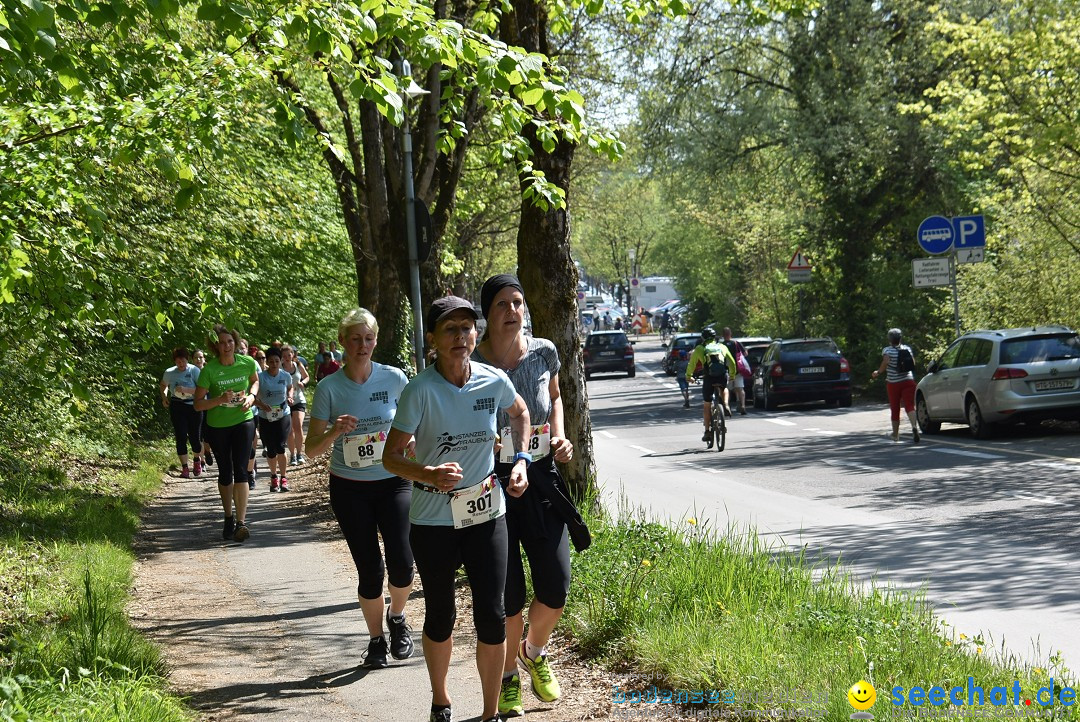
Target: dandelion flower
[
  {"x": 691, "y": 521},
  {"x": 963, "y": 636},
  {"x": 646, "y": 563},
  {"x": 978, "y": 650}
]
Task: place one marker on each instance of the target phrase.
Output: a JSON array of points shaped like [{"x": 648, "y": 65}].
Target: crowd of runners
[{"x": 453, "y": 468}]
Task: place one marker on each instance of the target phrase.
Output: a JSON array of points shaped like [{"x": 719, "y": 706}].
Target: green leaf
[
  {"x": 532, "y": 96},
  {"x": 184, "y": 198}
]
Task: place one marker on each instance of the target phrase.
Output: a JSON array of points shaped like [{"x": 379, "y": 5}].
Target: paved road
[{"x": 990, "y": 527}]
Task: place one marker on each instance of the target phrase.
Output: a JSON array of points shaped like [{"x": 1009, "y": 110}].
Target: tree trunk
[{"x": 549, "y": 278}]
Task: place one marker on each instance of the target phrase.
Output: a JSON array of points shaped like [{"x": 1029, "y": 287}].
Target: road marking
[
  {"x": 713, "y": 471},
  {"x": 1039, "y": 499},
  {"x": 853, "y": 465},
  {"x": 828, "y": 432},
  {"x": 964, "y": 452},
  {"x": 607, "y": 434},
  {"x": 1056, "y": 465},
  {"x": 781, "y": 422},
  {"x": 642, "y": 449}
]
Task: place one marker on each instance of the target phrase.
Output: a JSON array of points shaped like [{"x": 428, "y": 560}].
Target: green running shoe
[
  {"x": 510, "y": 697},
  {"x": 544, "y": 683}
]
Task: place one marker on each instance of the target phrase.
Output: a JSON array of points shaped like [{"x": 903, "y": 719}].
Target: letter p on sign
[{"x": 970, "y": 232}]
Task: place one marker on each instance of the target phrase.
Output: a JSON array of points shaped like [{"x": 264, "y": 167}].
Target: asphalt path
[{"x": 987, "y": 528}]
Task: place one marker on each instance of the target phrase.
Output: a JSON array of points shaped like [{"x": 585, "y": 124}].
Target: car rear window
[
  {"x": 1033, "y": 349},
  {"x": 607, "y": 339},
  {"x": 809, "y": 347},
  {"x": 681, "y": 343}
]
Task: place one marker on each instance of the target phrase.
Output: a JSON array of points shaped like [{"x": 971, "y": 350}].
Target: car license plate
[
  {"x": 812, "y": 370},
  {"x": 607, "y": 353},
  {"x": 1052, "y": 385}
]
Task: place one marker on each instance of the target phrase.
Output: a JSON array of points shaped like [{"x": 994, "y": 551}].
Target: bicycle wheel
[{"x": 720, "y": 432}]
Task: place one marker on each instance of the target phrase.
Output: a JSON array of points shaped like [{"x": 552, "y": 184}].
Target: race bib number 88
[
  {"x": 363, "y": 449},
  {"x": 538, "y": 446}
]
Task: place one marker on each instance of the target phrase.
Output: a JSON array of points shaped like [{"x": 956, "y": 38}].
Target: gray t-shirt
[
  {"x": 298, "y": 387},
  {"x": 452, "y": 424},
  {"x": 273, "y": 391},
  {"x": 531, "y": 378},
  {"x": 374, "y": 403}
]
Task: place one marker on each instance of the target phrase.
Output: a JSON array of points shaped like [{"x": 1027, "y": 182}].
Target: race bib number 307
[
  {"x": 538, "y": 446},
  {"x": 363, "y": 449},
  {"x": 477, "y": 504}
]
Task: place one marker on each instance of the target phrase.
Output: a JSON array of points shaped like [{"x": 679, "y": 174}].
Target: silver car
[{"x": 987, "y": 378}]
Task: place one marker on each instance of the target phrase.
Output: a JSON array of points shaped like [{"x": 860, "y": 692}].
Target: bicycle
[{"x": 719, "y": 424}]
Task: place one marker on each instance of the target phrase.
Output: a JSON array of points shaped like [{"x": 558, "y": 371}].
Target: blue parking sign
[
  {"x": 970, "y": 231},
  {"x": 935, "y": 234}
]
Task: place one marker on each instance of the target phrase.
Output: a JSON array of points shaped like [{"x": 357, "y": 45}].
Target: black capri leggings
[
  {"x": 534, "y": 525},
  {"x": 439, "y": 551},
  {"x": 364, "y": 509},
  {"x": 186, "y": 423},
  {"x": 231, "y": 446},
  {"x": 274, "y": 434}
]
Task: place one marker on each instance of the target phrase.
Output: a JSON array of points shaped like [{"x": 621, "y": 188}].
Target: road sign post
[{"x": 965, "y": 236}]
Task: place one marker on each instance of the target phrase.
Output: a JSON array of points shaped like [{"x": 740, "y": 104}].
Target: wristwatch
[{"x": 523, "y": 455}]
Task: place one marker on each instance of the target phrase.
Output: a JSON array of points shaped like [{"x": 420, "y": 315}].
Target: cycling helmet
[{"x": 708, "y": 334}]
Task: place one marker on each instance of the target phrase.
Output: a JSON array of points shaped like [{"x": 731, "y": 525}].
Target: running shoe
[
  {"x": 375, "y": 656},
  {"x": 300, "y": 460},
  {"x": 242, "y": 532},
  {"x": 284, "y": 484},
  {"x": 510, "y": 697},
  {"x": 273, "y": 482},
  {"x": 544, "y": 683},
  {"x": 228, "y": 529},
  {"x": 185, "y": 473},
  {"x": 209, "y": 458},
  {"x": 441, "y": 715},
  {"x": 197, "y": 470},
  {"x": 915, "y": 435},
  {"x": 292, "y": 460},
  {"x": 401, "y": 642},
  {"x": 251, "y": 479}
]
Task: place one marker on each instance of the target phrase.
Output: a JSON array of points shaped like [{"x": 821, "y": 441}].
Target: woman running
[
  {"x": 226, "y": 390},
  {"x": 535, "y": 522},
  {"x": 208, "y": 456},
  {"x": 457, "y": 502},
  {"x": 275, "y": 393},
  {"x": 352, "y": 412},
  {"x": 177, "y": 391},
  {"x": 298, "y": 406}
]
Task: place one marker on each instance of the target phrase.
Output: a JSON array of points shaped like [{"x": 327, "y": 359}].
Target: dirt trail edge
[{"x": 270, "y": 628}]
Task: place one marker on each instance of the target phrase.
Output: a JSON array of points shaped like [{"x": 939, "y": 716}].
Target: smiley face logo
[{"x": 862, "y": 695}]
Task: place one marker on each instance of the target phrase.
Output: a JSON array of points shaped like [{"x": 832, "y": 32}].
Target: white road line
[
  {"x": 964, "y": 452},
  {"x": 853, "y": 465},
  {"x": 1039, "y": 499},
  {"x": 713, "y": 471},
  {"x": 829, "y": 432},
  {"x": 642, "y": 449},
  {"x": 607, "y": 434},
  {"x": 781, "y": 422}
]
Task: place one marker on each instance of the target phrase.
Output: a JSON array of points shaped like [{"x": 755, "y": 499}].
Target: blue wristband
[{"x": 523, "y": 455}]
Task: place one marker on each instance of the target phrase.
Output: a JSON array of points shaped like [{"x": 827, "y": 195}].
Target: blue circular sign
[{"x": 935, "y": 234}]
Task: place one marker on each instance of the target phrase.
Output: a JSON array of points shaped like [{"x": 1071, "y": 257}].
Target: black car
[
  {"x": 802, "y": 369},
  {"x": 608, "y": 351},
  {"x": 755, "y": 346},
  {"x": 681, "y": 347}
]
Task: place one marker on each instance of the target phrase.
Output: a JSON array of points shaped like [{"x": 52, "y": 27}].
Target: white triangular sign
[{"x": 798, "y": 262}]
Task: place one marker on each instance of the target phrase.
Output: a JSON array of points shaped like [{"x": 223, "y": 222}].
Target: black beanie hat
[{"x": 493, "y": 285}]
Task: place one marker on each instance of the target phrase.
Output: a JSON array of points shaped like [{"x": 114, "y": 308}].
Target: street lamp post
[{"x": 412, "y": 91}]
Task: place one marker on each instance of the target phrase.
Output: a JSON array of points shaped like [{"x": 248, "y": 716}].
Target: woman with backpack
[{"x": 898, "y": 360}]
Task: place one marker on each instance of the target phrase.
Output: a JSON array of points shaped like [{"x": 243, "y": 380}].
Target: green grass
[
  {"x": 66, "y": 648},
  {"x": 699, "y": 610}
]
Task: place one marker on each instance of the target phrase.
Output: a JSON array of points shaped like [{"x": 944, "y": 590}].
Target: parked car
[
  {"x": 802, "y": 369},
  {"x": 986, "y": 378},
  {"x": 682, "y": 345},
  {"x": 608, "y": 351},
  {"x": 755, "y": 348}
]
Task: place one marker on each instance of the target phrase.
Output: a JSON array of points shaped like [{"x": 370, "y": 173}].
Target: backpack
[
  {"x": 905, "y": 363},
  {"x": 717, "y": 367}
]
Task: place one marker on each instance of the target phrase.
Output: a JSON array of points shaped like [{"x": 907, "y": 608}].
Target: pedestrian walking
[{"x": 898, "y": 363}]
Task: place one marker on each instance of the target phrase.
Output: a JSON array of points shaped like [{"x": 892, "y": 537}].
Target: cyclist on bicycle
[{"x": 717, "y": 366}]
